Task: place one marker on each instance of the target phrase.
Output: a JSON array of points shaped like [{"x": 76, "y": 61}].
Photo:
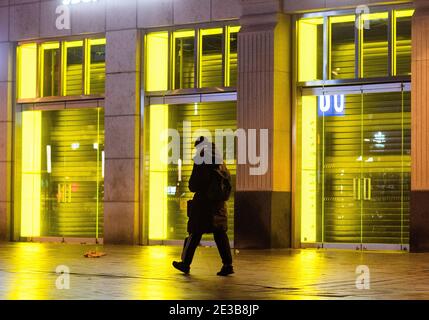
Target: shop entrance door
[
  {"x": 60, "y": 182},
  {"x": 362, "y": 163}
]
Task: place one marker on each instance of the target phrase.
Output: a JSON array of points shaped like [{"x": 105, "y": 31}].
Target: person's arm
[{"x": 194, "y": 180}]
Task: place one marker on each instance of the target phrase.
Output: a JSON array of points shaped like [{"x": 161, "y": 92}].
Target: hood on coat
[{"x": 207, "y": 150}]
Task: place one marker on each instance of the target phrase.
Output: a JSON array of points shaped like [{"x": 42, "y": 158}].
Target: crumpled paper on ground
[{"x": 94, "y": 254}]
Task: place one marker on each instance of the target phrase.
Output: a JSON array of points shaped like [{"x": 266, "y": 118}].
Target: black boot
[
  {"x": 181, "y": 266},
  {"x": 225, "y": 271}
]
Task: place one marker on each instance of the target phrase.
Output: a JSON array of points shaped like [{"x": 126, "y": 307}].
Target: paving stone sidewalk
[{"x": 28, "y": 271}]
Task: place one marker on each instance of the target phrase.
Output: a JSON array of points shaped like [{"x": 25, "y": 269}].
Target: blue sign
[{"x": 331, "y": 105}]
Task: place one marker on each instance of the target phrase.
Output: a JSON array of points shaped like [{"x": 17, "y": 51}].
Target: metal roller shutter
[{"x": 73, "y": 195}]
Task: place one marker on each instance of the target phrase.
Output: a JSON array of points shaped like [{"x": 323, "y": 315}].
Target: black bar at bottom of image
[{"x": 225, "y": 309}]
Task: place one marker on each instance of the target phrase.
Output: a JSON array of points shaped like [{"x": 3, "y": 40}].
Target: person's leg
[
  {"x": 184, "y": 247},
  {"x": 191, "y": 245},
  {"x": 222, "y": 243}
]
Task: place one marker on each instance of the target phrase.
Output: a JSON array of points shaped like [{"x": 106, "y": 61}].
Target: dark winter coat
[{"x": 206, "y": 216}]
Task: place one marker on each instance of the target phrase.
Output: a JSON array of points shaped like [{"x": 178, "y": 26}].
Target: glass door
[
  {"x": 386, "y": 167},
  {"x": 60, "y": 180},
  {"x": 355, "y": 164},
  {"x": 339, "y": 153}
]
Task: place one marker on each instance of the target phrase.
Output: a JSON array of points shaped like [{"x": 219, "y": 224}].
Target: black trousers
[{"x": 222, "y": 243}]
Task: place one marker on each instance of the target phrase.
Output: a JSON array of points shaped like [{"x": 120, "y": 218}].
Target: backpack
[{"x": 220, "y": 186}]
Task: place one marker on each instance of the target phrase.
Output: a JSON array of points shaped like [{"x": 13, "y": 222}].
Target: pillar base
[
  {"x": 419, "y": 221},
  {"x": 262, "y": 220}
]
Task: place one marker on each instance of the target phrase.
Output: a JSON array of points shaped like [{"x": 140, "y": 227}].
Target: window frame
[
  {"x": 40, "y": 68},
  {"x": 227, "y": 26},
  {"x": 87, "y": 63},
  {"x": 326, "y": 64}
]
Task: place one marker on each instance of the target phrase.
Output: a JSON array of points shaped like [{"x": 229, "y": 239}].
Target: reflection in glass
[
  {"x": 211, "y": 58},
  {"x": 184, "y": 59},
  {"x": 342, "y": 47},
  {"x": 50, "y": 63}
]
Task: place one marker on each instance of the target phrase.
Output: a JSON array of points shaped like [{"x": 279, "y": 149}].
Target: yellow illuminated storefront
[
  {"x": 59, "y": 152},
  {"x": 353, "y": 147},
  {"x": 167, "y": 181},
  {"x": 185, "y": 71}
]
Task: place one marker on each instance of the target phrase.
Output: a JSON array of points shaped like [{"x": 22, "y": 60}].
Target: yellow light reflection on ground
[
  {"x": 309, "y": 263},
  {"x": 28, "y": 282}
]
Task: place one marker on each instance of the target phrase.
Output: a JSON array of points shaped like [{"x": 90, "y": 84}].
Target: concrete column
[
  {"x": 263, "y": 202},
  {"x": 122, "y": 114},
  {"x": 419, "y": 216},
  {"x": 6, "y": 125}
]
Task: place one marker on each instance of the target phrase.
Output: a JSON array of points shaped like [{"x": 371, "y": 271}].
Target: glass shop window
[
  {"x": 59, "y": 188},
  {"x": 156, "y": 54},
  {"x": 184, "y": 59},
  {"x": 310, "y": 49},
  {"x": 351, "y": 46},
  {"x": 50, "y": 62},
  {"x": 233, "y": 57},
  {"x": 342, "y": 47},
  {"x": 73, "y": 77},
  {"x": 375, "y": 45},
  {"x": 53, "y": 69},
  {"x": 402, "y": 47},
  {"x": 167, "y": 174},
  {"x": 27, "y": 71},
  {"x": 97, "y": 66},
  {"x": 211, "y": 58}
]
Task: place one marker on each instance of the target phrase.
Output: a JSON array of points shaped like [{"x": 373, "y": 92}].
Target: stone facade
[{"x": 262, "y": 98}]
